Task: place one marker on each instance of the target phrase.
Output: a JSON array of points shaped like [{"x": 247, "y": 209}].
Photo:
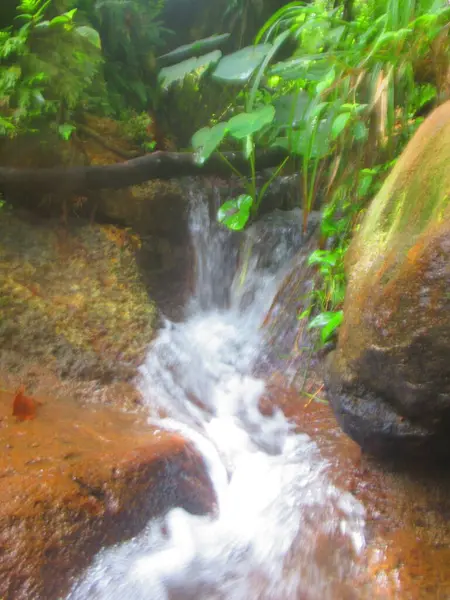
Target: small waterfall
[
  {"x": 216, "y": 252},
  {"x": 283, "y": 531}
]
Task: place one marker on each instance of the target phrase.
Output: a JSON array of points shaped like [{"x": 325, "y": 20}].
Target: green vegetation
[
  {"x": 94, "y": 56},
  {"x": 339, "y": 86},
  {"x": 343, "y": 103}
]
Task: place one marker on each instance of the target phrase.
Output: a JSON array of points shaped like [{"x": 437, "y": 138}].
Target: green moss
[
  {"x": 73, "y": 298},
  {"x": 415, "y": 195}
]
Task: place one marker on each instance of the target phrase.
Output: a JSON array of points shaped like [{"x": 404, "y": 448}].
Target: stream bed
[{"x": 289, "y": 523}]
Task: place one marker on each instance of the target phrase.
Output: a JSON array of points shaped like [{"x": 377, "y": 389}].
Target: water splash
[{"x": 283, "y": 531}]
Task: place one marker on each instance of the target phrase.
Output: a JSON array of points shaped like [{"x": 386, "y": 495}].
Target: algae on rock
[
  {"x": 72, "y": 302},
  {"x": 389, "y": 379}
]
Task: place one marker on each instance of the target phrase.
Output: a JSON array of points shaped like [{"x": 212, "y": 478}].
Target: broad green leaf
[
  {"x": 246, "y": 124},
  {"x": 194, "y": 49},
  {"x": 64, "y": 18},
  {"x": 321, "y": 320},
  {"x": 334, "y": 323},
  {"x": 240, "y": 66},
  {"x": 277, "y": 43},
  {"x": 178, "y": 72},
  {"x": 294, "y": 68},
  {"x": 281, "y": 142},
  {"x": 291, "y": 110},
  {"x": 339, "y": 124},
  {"x": 313, "y": 141},
  {"x": 206, "y": 141},
  {"x": 328, "y": 322},
  {"x": 90, "y": 34},
  {"x": 326, "y": 81},
  {"x": 235, "y": 213},
  {"x": 323, "y": 257},
  {"x": 317, "y": 71}
]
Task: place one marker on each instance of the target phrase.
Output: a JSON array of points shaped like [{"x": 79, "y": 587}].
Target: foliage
[
  {"x": 97, "y": 55},
  {"x": 138, "y": 128},
  {"x": 345, "y": 99},
  {"x": 131, "y": 32},
  {"x": 242, "y": 127},
  {"x": 46, "y": 66}
]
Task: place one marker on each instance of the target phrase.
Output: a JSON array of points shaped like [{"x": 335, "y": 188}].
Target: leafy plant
[
  {"x": 137, "y": 127},
  {"x": 242, "y": 127},
  {"x": 46, "y": 65},
  {"x": 131, "y": 32}
]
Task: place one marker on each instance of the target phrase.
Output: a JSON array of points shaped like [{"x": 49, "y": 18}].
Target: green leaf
[
  {"x": 246, "y": 124},
  {"x": 305, "y": 314},
  {"x": 90, "y": 34},
  {"x": 195, "y": 49},
  {"x": 206, "y": 141},
  {"x": 240, "y": 66},
  {"x": 235, "y": 213},
  {"x": 323, "y": 257},
  {"x": 326, "y": 81},
  {"x": 328, "y": 322},
  {"x": 333, "y": 324},
  {"x": 339, "y": 124},
  {"x": 178, "y": 72},
  {"x": 291, "y": 110},
  {"x": 64, "y": 18},
  {"x": 313, "y": 141},
  {"x": 66, "y": 130}
]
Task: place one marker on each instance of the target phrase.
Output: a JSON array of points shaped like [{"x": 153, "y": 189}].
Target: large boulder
[
  {"x": 389, "y": 379},
  {"x": 74, "y": 480}
]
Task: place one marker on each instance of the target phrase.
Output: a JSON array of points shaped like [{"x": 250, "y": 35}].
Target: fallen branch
[{"x": 158, "y": 165}]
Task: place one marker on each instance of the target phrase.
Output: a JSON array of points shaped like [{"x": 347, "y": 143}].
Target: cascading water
[{"x": 282, "y": 530}]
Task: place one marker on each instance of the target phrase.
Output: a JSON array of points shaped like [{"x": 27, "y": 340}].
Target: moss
[
  {"x": 72, "y": 297},
  {"x": 415, "y": 194}
]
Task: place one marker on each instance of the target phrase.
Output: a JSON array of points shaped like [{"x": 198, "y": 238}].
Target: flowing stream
[{"x": 282, "y": 531}]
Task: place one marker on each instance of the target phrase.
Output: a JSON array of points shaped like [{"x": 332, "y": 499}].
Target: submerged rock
[
  {"x": 389, "y": 380},
  {"x": 75, "y": 480}
]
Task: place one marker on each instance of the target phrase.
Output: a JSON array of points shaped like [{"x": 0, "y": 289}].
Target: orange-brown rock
[
  {"x": 74, "y": 480},
  {"x": 389, "y": 379}
]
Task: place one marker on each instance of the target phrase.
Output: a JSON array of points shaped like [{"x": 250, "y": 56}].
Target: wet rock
[
  {"x": 75, "y": 480},
  {"x": 389, "y": 379},
  {"x": 72, "y": 303}
]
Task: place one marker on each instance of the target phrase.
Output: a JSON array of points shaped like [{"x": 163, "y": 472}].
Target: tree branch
[{"x": 158, "y": 165}]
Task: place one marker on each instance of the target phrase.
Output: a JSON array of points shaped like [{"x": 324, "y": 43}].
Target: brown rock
[
  {"x": 389, "y": 379},
  {"x": 72, "y": 300},
  {"x": 76, "y": 479}
]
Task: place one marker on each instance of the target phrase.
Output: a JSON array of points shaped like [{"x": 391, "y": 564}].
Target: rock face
[
  {"x": 73, "y": 481},
  {"x": 72, "y": 303},
  {"x": 389, "y": 379}
]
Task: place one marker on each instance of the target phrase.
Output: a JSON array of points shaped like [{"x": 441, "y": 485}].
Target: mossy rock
[
  {"x": 389, "y": 379},
  {"x": 72, "y": 300}
]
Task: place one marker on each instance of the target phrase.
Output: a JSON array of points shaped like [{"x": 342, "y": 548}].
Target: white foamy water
[{"x": 283, "y": 531}]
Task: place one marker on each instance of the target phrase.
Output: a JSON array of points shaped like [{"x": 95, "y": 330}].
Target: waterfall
[{"x": 283, "y": 531}]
